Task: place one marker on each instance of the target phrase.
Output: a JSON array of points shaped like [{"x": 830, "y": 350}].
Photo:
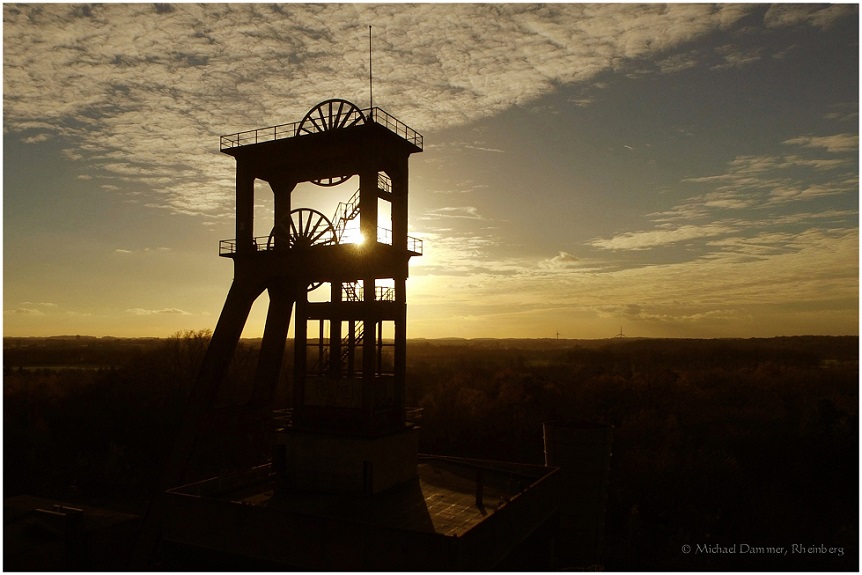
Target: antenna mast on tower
[{"x": 370, "y": 76}]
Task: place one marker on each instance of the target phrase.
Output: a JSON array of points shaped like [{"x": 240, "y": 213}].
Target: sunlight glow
[{"x": 353, "y": 236}]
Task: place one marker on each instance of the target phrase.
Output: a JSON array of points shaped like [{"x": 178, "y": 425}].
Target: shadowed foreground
[{"x": 722, "y": 445}]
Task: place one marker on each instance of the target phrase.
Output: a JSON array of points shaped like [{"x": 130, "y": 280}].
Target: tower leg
[
  {"x": 335, "y": 359},
  {"x": 215, "y": 364},
  {"x": 300, "y": 355},
  {"x": 281, "y": 300},
  {"x": 369, "y": 369},
  {"x": 400, "y": 348}
]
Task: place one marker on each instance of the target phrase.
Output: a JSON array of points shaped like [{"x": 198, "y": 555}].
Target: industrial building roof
[{"x": 443, "y": 500}]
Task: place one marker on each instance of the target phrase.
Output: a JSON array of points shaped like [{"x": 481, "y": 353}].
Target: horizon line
[{"x": 446, "y": 338}]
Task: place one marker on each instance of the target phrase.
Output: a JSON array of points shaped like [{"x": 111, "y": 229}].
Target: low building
[{"x": 456, "y": 515}]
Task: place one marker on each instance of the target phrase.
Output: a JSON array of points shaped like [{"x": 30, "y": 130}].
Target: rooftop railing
[
  {"x": 283, "y": 131},
  {"x": 395, "y": 125}
]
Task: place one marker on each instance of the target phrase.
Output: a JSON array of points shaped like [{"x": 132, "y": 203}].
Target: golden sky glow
[{"x": 688, "y": 170}]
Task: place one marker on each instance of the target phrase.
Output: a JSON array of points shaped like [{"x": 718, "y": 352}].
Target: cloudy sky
[{"x": 671, "y": 171}]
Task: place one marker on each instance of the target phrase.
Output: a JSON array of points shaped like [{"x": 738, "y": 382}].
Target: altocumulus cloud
[
  {"x": 783, "y": 15},
  {"x": 121, "y": 83}
]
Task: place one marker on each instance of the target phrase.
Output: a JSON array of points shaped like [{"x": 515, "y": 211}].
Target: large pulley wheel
[
  {"x": 327, "y": 116},
  {"x": 331, "y": 115},
  {"x": 330, "y": 181},
  {"x": 305, "y": 228}
]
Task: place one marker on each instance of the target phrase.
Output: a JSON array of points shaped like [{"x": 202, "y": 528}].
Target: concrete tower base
[{"x": 344, "y": 463}]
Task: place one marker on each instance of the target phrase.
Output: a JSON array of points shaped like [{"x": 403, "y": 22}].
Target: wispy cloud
[
  {"x": 844, "y": 112},
  {"x": 34, "y": 309},
  {"x": 123, "y": 251},
  {"x": 78, "y": 314},
  {"x": 808, "y": 191},
  {"x": 484, "y": 149},
  {"x": 640, "y": 313},
  {"x": 747, "y": 245},
  {"x": 837, "y": 143},
  {"x": 731, "y": 285},
  {"x": 757, "y": 179},
  {"x": 454, "y": 212},
  {"x": 735, "y": 57},
  {"x": 25, "y": 311},
  {"x": 661, "y": 237},
  {"x": 464, "y": 188},
  {"x": 561, "y": 260},
  {"x": 165, "y": 311},
  {"x": 748, "y": 207}
]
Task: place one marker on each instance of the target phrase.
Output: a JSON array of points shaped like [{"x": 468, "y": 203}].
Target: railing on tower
[
  {"x": 384, "y": 183},
  {"x": 291, "y": 130},
  {"x": 353, "y": 292},
  {"x": 345, "y": 213},
  {"x": 228, "y": 248}
]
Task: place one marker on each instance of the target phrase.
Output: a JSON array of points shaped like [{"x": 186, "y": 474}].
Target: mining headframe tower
[
  {"x": 350, "y": 351},
  {"x": 344, "y": 487}
]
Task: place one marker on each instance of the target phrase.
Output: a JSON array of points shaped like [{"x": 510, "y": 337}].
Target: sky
[{"x": 683, "y": 170}]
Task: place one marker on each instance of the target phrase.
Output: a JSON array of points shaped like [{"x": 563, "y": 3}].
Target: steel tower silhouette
[
  {"x": 347, "y": 429},
  {"x": 338, "y": 484}
]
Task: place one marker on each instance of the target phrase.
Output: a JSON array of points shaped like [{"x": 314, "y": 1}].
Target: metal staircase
[
  {"x": 347, "y": 211},
  {"x": 352, "y": 291},
  {"x": 347, "y": 346},
  {"x": 344, "y": 214}
]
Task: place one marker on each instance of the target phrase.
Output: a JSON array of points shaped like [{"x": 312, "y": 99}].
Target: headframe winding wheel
[
  {"x": 305, "y": 228},
  {"x": 331, "y": 115}
]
